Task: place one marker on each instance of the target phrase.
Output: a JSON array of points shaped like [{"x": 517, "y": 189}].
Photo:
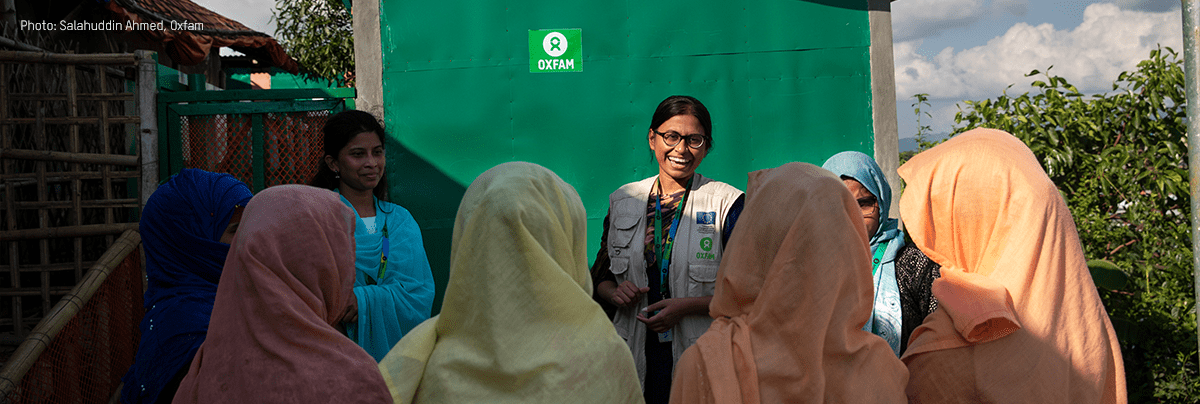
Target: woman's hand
[
  {"x": 672, "y": 311},
  {"x": 626, "y": 294}
]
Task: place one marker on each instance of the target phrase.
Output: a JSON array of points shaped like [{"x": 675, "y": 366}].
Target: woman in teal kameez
[{"x": 393, "y": 284}]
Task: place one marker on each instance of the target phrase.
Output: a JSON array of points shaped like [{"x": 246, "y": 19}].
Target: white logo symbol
[{"x": 555, "y": 44}]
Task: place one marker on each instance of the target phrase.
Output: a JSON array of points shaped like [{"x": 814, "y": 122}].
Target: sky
[{"x": 956, "y": 50}]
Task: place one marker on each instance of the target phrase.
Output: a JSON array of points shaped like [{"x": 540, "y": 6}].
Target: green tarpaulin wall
[{"x": 784, "y": 80}]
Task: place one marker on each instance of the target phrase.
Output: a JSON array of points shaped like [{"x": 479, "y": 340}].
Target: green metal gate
[{"x": 262, "y": 137}]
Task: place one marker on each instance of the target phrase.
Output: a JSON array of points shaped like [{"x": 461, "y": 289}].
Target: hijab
[
  {"x": 886, "y": 314},
  {"x": 288, "y": 280},
  {"x": 1019, "y": 318},
  {"x": 792, "y": 295},
  {"x": 181, "y": 228},
  {"x": 518, "y": 324}
]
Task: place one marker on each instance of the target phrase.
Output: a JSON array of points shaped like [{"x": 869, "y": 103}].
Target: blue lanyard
[{"x": 664, "y": 256}]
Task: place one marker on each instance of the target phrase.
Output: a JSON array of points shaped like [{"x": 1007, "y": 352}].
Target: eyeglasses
[
  {"x": 671, "y": 139},
  {"x": 869, "y": 205}
]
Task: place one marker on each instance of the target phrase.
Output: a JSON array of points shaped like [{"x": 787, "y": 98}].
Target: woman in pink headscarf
[
  {"x": 792, "y": 296},
  {"x": 288, "y": 279},
  {"x": 1019, "y": 319}
]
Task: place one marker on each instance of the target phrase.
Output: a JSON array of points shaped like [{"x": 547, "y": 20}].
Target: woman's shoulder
[
  {"x": 711, "y": 186},
  {"x": 394, "y": 212}
]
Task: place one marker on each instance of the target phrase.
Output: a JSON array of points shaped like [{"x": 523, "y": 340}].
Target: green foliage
[
  {"x": 920, "y": 109},
  {"x": 319, "y": 35},
  {"x": 1120, "y": 161}
]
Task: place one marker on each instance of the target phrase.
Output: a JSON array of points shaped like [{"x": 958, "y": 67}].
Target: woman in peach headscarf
[
  {"x": 1019, "y": 319},
  {"x": 288, "y": 279},
  {"x": 518, "y": 324},
  {"x": 792, "y": 296}
]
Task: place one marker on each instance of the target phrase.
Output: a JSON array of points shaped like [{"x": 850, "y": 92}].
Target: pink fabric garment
[
  {"x": 793, "y": 293},
  {"x": 1019, "y": 318},
  {"x": 288, "y": 278}
]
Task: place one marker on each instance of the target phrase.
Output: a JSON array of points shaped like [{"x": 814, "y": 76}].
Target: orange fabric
[
  {"x": 793, "y": 293},
  {"x": 1019, "y": 319},
  {"x": 288, "y": 278}
]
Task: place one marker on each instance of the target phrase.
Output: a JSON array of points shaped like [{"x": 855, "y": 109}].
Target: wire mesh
[{"x": 86, "y": 360}]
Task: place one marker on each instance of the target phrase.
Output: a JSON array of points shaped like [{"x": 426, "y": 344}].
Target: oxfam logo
[
  {"x": 706, "y": 244},
  {"x": 555, "y": 44}
]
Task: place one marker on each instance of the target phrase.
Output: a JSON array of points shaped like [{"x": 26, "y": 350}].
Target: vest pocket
[
  {"x": 623, "y": 231},
  {"x": 618, "y": 265},
  {"x": 701, "y": 279}
]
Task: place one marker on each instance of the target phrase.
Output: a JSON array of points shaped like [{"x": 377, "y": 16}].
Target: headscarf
[
  {"x": 1019, "y": 318},
  {"x": 518, "y": 324},
  {"x": 389, "y": 307},
  {"x": 886, "y": 315},
  {"x": 181, "y": 226},
  {"x": 791, "y": 298},
  {"x": 289, "y": 279}
]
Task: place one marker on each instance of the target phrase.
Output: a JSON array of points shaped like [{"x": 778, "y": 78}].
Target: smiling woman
[
  {"x": 653, "y": 285},
  {"x": 393, "y": 282}
]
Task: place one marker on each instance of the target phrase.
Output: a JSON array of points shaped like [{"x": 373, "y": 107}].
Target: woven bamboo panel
[{"x": 68, "y": 175}]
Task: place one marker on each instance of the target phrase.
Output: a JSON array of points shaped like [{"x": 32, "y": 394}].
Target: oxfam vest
[{"x": 695, "y": 257}]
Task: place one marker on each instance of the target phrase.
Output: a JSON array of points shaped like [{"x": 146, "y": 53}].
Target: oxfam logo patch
[
  {"x": 555, "y": 50},
  {"x": 706, "y": 244},
  {"x": 555, "y": 44}
]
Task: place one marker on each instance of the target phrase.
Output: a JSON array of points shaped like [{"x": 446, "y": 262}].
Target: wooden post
[
  {"x": 76, "y": 183},
  {"x": 147, "y": 83}
]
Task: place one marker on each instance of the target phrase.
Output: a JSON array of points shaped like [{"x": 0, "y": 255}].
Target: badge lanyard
[
  {"x": 664, "y": 257},
  {"x": 879, "y": 250}
]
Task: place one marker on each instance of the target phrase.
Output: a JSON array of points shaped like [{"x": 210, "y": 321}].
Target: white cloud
[
  {"x": 1110, "y": 40},
  {"x": 913, "y": 19}
]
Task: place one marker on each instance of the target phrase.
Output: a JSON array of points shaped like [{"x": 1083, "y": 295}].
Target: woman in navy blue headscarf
[{"x": 186, "y": 228}]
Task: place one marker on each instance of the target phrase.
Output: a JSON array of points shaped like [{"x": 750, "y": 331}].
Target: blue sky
[{"x": 957, "y": 50}]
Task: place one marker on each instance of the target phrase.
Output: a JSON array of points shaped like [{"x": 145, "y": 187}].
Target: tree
[
  {"x": 1120, "y": 161},
  {"x": 319, "y": 35}
]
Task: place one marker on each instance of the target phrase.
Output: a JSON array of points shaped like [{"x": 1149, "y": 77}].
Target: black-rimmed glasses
[{"x": 671, "y": 139}]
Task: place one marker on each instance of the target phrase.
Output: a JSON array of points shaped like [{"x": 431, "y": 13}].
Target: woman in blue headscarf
[
  {"x": 902, "y": 275},
  {"x": 393, "y": 282},
  {"x": 186, "y": 228}
]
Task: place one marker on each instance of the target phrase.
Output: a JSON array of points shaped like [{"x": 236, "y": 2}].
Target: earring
[{"x": 337, "y": 175}]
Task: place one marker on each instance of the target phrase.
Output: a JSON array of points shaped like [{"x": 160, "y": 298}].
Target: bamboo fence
[
  {"x": 79, "y": 352},
  {"x": 69, "y": 174}
]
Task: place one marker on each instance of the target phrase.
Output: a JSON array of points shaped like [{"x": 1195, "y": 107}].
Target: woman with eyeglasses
[
  {"x": 662, "y": 244},
  {"x": 901, "y": 274},
  {"x": 394, "y": 284}
]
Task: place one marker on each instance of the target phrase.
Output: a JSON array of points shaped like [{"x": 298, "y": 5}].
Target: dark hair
[
  {"x": 338, "y": 131},
  {"x": 683, "y": 105}
]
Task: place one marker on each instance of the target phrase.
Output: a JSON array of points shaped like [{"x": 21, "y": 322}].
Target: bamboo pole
[
  {"x": 19, "y": 179},
  {"x": 66, "y": 308},
  {"x": 81, "y": 96},
  {"x": 57, "y": 58},
  {"x": 68, "y": 231},
  {"x": 105, "y": 182},
  {"x": 91, "y": 203},
  {"x": 76, "y": 184},
  {"x": 85, "y": 158},
  {"x": 86, "y": 120},
  {"x": 62, "y": 266},
  {"x": 56, "y": 291},
  {"x": 9, "y": 209}
]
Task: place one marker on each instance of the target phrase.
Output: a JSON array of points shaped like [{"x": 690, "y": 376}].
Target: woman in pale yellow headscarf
[
  {"x": 792, "y": 296},
  {"x": 1019, "y": 319},
  {"x": 518, "y": 324}
]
